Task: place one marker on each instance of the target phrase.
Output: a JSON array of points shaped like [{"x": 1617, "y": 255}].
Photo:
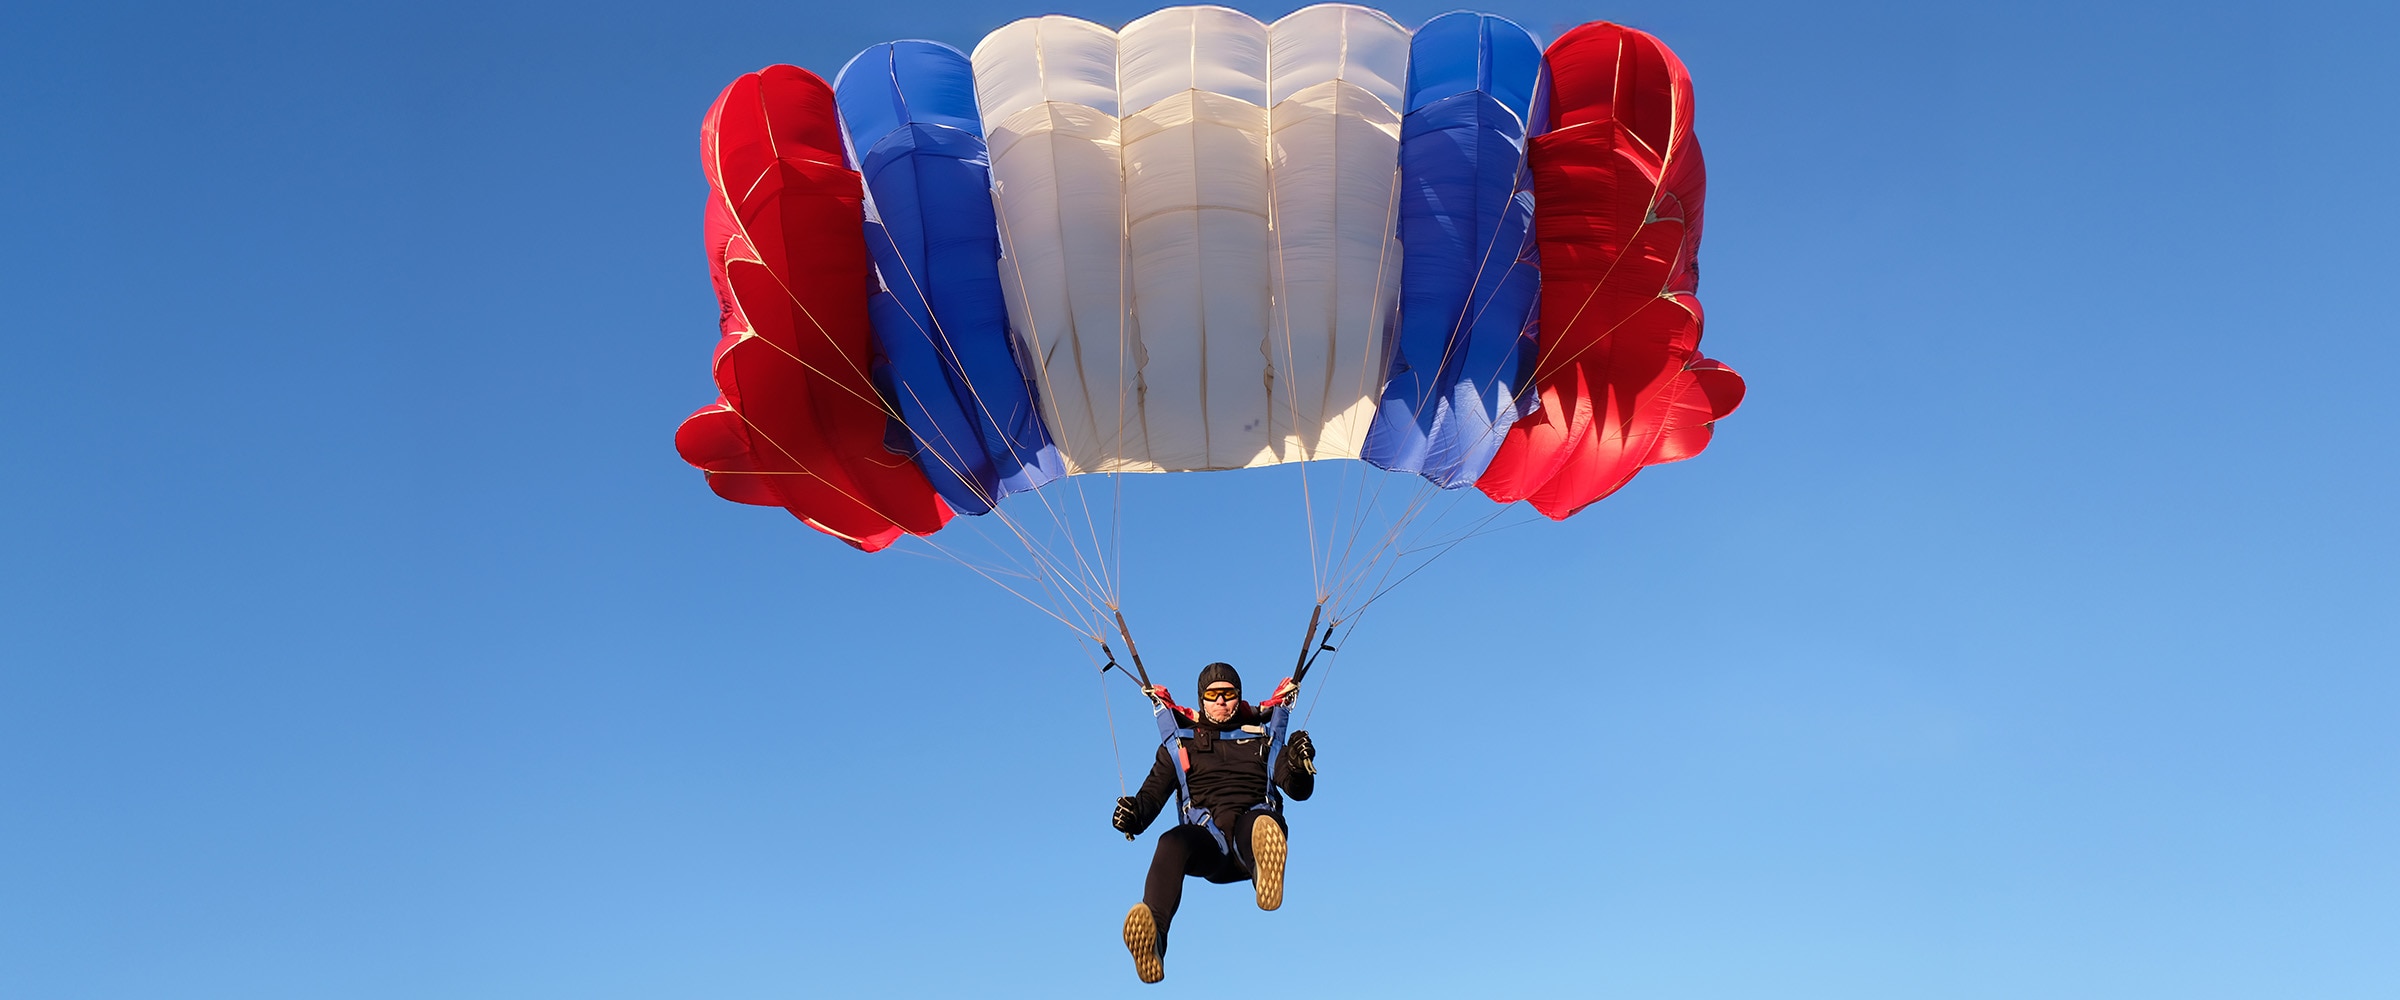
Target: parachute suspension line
[
  {"x": 866, "y": 397},
  {"x": 1328, "y": 646},
  {"x": 1477, "y": 530},
  {"x": 879, "y": 404},
  {"x": 1359, "y": 516},
  {"x": 1410, "y": 546},
  {"x": 1496, "y": 428},
  {"x": 1359, "y": 502},
  {"x": 1045, "y": 570},
  {"x": 1383, "y": 583},
  {"x": 1081, "y": 609},
  {"x": 1649, "y": 216},
  {"x": 1111, "y": 555},
  {"x": 803, "y": 466},
  {"x": 1039, "y": 573},
  {"x": 1358, "y": 570},
  {"x": 1051, "y": 566},
  {"x": 1516, "y": 397},
  {"x": 1114, "y": 752},
  {"x": 1420, "y": 567},
  {"x": 886, "y": 407},
  {"x": 1396, "y": 542},
  {"x": 1053, "y": 607},
  {"x": 1283, "y": 312},
  {"x": 1405, "y": 535},
  {"x": 1014, "y": 568},
  {"x": 939, "y": 340},
  {"x": 1370, "y": 379},
  {"x": 1398, "y": 535},
  {"x": 1517, "y": 391},
  {"x": 979, "y": 571},
  {"x": 863, "y": 377},
  {"x": 1091, "y": 526},
  {"x": 1464, "y": 321},
  {"x": 1405, "y": 528},
  {"x": 1339, "y": 570},
  {"x": 1108, "y": 585},
  {"x": 1391, "y": 539},
  {"x": 1124, "y": 351}
]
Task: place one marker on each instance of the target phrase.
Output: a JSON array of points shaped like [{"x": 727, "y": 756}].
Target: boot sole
[
  {"x": 1268, "y": 847},
  {"x": 1141, "y": 938}
]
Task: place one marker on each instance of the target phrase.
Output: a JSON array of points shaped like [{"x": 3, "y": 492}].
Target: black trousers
[{"x": 1188, "y": 850}]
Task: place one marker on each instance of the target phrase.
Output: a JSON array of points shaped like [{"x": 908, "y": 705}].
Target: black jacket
[{"x": 1227, "y": 777}]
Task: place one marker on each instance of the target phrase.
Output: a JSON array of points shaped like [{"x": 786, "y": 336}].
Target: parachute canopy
[{"x": 1204, "y": 242}]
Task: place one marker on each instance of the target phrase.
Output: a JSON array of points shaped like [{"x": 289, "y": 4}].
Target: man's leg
[
  {"x": 1262, "y": 836},
  {"x": 1183, "y": 850}
]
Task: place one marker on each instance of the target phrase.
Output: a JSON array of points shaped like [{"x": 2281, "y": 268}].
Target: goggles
[{"x": 1226, "y": 694}]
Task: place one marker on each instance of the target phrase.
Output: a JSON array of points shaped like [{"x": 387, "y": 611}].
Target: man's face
[{"x": 1218, "y": 701}]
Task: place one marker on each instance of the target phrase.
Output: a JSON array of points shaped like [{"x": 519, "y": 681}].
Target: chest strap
[{"x": 1171, "y": 732}]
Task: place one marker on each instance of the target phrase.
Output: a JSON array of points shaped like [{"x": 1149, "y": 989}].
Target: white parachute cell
[
  {"x": 1206, "y": 281},
  {"x": 1047, "y": 90},
  {"x": 1337, "y": 81}
]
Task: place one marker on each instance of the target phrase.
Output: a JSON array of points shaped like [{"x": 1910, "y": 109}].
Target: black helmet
[{"x": 1217, "y": 673}]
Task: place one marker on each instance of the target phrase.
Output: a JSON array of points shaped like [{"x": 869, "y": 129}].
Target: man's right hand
[{"x": 1123, "y": 819}]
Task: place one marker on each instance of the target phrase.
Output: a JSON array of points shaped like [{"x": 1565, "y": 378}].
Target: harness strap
[
  {"x": 1278, "y": 720},
  {"x": 1235, "y": 736},
  {"x": 1170, "y": 733}
]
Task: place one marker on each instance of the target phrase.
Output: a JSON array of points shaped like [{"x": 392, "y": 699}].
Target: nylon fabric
[
  {"x": 939, "y": 317},
  {"x": 1206, "y": 242},
  {"x": 1047, "y": 90},
  {"x": 1197, "y": 214},
  {"x": 1618, "y": 187},
  {"x": 1470, "y": 271},
  {"x": 797, "y": 423}
]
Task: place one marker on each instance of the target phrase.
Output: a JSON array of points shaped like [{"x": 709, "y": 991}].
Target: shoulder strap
[
  {"x": 1279, "y": 719},
  {"x": 1171, "y": 734}
]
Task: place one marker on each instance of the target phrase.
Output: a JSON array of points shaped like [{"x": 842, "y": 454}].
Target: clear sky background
[{"x": 2029, "y": 633}]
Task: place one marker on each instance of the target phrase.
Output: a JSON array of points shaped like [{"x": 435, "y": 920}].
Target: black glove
[
  {"x": 1124, "y": 819},
  {"x": 1303, "y": 752}
]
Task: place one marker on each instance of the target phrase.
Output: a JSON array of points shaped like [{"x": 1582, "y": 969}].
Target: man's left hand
[{"x": 1302, "y": 750}]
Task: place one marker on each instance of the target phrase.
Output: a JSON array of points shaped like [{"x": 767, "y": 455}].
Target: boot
[
  {"x": 1141, "y": 938},
  {"x": 1267, "y": 850}
]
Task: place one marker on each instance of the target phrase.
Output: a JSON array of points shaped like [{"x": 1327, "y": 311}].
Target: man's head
[{"x": 1220, "y": 692}]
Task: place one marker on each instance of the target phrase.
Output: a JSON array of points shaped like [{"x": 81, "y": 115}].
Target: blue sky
[{"x": 2030, "y": 632}]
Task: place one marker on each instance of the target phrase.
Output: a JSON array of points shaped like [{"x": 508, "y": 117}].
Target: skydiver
[{"x": 1227, "y": 777}]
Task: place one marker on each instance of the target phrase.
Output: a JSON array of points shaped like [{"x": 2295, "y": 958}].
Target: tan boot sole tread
[
  {"x": 1267, "y": 849},
  {"x": 1141, "y": 938}
]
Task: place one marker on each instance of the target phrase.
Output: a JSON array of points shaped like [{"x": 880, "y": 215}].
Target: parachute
[
  {"x": 1412, "y": 261},
  {"x": 797, "y": 423}
]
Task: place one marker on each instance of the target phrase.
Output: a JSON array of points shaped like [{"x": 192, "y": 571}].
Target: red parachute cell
[
  {"x": 1618, "y": 183},
  {"x": 797, "y": 423}
]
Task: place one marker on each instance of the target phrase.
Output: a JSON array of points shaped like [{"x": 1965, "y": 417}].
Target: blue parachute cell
[
  {"x": 909, "y": 111},
  {"x": 1469, "y": 277},
  {"x": 1464, "y": 51}
]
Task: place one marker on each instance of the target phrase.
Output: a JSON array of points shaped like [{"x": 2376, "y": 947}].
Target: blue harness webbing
[{"x": 1171, "y": 734}]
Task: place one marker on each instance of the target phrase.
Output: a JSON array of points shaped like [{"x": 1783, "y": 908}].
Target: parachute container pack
[{"x": 1204, "y": 242}]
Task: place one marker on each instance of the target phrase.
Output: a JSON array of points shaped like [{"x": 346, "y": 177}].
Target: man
[{"x": 1224, "y": 765}]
